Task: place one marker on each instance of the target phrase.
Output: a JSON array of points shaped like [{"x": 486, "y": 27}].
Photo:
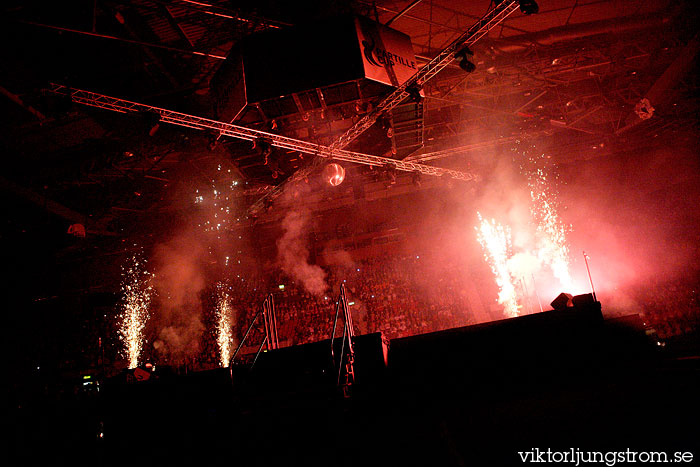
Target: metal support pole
[
  {"x": 335, "y": 323},
  {"x": 244, "y": 337},
  {"x": 342, "y": 353},
  {"x": 585, "y": 258},
  {"x": 257, "y": 354},
  {"x": 539, "y": 302},
  {"x": 273, "y": 313},
  {"x": 346, "y": 358},
  {"x": 347, "y": 314},
  {"x": 268, "y": 323},
  {"x": 527, "y": 295}
]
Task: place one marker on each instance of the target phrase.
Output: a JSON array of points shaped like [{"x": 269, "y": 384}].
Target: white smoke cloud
[
  {"x": 524, "y": 265},
  {"x": 180, "y": 280},
  {"x": 293, "y": 252}
]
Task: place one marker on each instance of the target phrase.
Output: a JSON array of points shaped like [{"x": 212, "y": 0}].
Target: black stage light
[
  {"x": 263, "y": 148},
  {"x": 462, "y": 59},
  {"x": 414, "y": 93},
  {"x": 562, "y": 302},
  {"x": 152, "y": 120},
  {"x": 467, "y": 66},
  {"x": 529, "y": 7}
]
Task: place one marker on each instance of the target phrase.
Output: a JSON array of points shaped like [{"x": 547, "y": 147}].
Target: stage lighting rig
[
  {"x": 414, "y": 93},
  {"x": 416, "y": 179},
  {"x": 263, "y": 148},
  {"x": 529, "y": 7},
  {"x": 462, "y": 57}
]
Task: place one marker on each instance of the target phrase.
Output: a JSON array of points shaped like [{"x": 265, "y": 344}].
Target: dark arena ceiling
[
  {"x": 570, "y": 80},
  {"x": 201, "y": 134}
]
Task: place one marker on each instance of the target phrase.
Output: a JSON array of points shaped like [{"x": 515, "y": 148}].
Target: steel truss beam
[
  {"x": 492, "y": 19},
  {"x": 114, "y": 104},
  {"x": 429, "y": 70}
]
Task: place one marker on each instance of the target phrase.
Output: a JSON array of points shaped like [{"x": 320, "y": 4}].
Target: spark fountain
[
  {"x": 552, "y": 247},
  {"x": 224, "y": 325},
  {"x": 136, "y": 291},
  {"x": 495, "y": 240},
  {"x": 546, "y": 245}
]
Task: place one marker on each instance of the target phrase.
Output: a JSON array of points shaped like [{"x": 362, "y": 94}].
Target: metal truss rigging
[
  {"x": 492, "y": 19},
  {"x": 429, "y": 70},
  {"x": 114, "y": 104}
]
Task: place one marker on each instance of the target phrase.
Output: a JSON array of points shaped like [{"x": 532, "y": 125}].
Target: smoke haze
[
  {"x": 180, "y": 279},
  {"x": 293, "y": 252}
]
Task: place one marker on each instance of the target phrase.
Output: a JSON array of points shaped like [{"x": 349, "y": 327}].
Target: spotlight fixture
[
  {"x": 390, "y": 172},
  {"x": 467, "y": 66},
  {"x": 462, "y": 56},
  {"x": 529, "y": 7},
  {"x": 152, "y": 121},
  {"x": 414, "y": 93},
  {"x": 263, "y": 147},
  {"x": 154, "y": 129},
  {"x": 213, "y": 141},
  {"x": 271, "y": 160},
  {"x": 415, "y": 179}
]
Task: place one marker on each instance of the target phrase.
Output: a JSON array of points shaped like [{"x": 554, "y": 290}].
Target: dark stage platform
[{"x": 476, "y": 395}]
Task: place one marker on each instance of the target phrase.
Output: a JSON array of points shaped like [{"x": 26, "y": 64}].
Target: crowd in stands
[
  {"x": 388, "y": 296},
  {"x": 671, "y": 308},
  {"x": 408, "y": 295},
  {"x": 396, "y": 295}
]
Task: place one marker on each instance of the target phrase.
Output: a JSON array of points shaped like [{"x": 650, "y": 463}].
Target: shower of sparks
[
  {"x": 218, "y": 204},
  {"x": 495, "y": 240},
  {"x": 553, "y": 249},
  {"x": 219, "y": 213},
  {"x": 224, "y": 326},
  {"x": 136, "y": 297}
]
